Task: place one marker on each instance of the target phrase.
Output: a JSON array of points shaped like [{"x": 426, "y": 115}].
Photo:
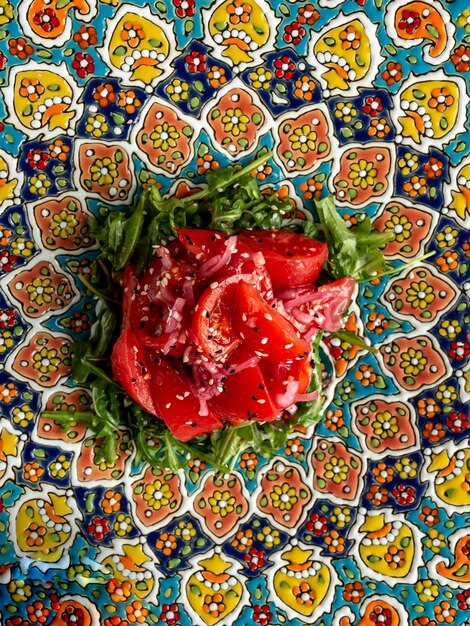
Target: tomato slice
[
  {"x": 212, "y": 325},
  {"x": 204, "y": 244},
  {"x": 286, "y": 381},
  {"x": 322, "y": 307},
  {"x": 291, "y": 259},
  {"x": 130, "y": 363},
  {"x": 176, "y": 402},
  {"x": 245, "y": 397},
  {"x": 267, "y": 333}
]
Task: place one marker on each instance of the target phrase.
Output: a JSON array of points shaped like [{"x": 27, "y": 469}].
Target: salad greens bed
[{"x": 230, "y": 201}]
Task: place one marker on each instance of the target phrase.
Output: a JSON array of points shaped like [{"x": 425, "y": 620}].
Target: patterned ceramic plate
[{"x": 365, "y": 521}]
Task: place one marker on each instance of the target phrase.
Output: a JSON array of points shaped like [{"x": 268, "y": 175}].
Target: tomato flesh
[
  {"x": 245, "y": 397},
  {"x": 176, "y": 402},
  {"x": 292, "y": 260},
  {"x": 265, "y": 331},
  {"x": 130, "y": 362},
  {"x": 279, "y": 376}
]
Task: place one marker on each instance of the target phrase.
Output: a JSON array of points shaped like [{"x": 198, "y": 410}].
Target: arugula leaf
[{"x": 355, "y": 253}]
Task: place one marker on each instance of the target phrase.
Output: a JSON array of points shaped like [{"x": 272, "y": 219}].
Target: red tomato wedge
[
  {"x": 245, "y": 397},
  {"x": 321, "y": 307},
  {"x": 267, "y": 333},
  {"x": 204, "y": 244},
  {"x": 292, "y": 260},
  {"x": 130, "y": 362},
  {"x": 177, "y": 404},
  {"x": 212, "y": 325}
]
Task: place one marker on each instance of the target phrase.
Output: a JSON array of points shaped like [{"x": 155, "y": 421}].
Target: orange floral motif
[
  {"x": 206, "y": 163},
  {"x": 395, "y": 557},
  {"x": 350, "y": 38},
  {"x": 216, "y": 76},
  {"x": 434, "y": 168},
  {"x": 334, "y": 420},
  {"x": 214, "y": 604},
  {"x": 444, "y": 612},
  {"x": 111, "y": 502},
  {"x": 441, "y": 99},
  {"x": 31, "y": 89},
  {"x": 166, "y": 543},
  {"x": 119, "y": 590},
  {"x": 35, "y": 534},
  {"x": 136, "y": 612},
  {"x": 304, "y": 88},
  {"x": 416, "y": 186},
  {"x": 433, "y": 432},
  {"x": 132, "y": 34},
  {"x": 393, "y": 73},
  {"x": 382, "y": 473},
  {"x": 104, "y": 94},
  {"x": 448, "y": 261},
  {"x": 33, "y": 471},
  {"x": 239, "y": 11},
  {"x": 366, "y": 375},
  {"x": 304, "y": 593},
  {"x": 379, "y": 128},
  {"x": 307, "y": 15},
  {"x": 243, "y": 540},
  {"x": 335, "y": 542},
  {"x": 19, "y": 48},
  {"x": 129, "y": 101}
]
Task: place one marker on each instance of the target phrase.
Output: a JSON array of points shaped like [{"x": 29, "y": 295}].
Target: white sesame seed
[{"x": 264, "y": 340}]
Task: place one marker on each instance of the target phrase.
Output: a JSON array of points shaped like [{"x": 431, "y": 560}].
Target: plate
[{"x": 364, "y": 521}]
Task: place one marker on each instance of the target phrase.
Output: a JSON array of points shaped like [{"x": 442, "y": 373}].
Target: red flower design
[
  {"x": 184, "y": 8},
  {"x": 284, "y": 67},
  {"x": 404, "y": 495},
  {"x": 459, "y": 350},
  {"x": 37, "y": 158},
  {"x": 457, "y": 422},
  {"x": 83, "y": 64},
  {"x": 255, "y": 559},
  {"x": 3, "y": 61},
  {"x": 410, "y": 22},
  {"x": 381, "y": 615},
  {"x": 262, "y": 614},
  {"x": 7, "y": 317},
  {"x": 99, "y": 528},
  {"x": 73, "y": 616},
  {"x": 170, "y": 614},
  {"x": 463, "y": 599},
  {"x": 317, "y": 524},
  {"x": 294, "y": 33},
  {"x": 47, "y": 19},
  {"x": 373, "y": 105},
  {"x": 7, "y": 260},
  {"x": 196, "y": 62}
]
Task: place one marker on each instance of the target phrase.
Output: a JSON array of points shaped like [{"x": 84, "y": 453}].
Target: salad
[{"x": 211, "y": 309}]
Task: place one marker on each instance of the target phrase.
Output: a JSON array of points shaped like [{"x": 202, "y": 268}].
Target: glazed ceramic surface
[{"x": 366, "y": 520}]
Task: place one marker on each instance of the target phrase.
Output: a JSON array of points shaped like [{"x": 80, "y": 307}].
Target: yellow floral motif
[
  {"x": 345, "y": 111},
  {"x": 413, "y": 362},
  {"x": 283, "y": 497},
  {"x": 63, "y": 224},
  {"x": 122, "y": 526},
  {"x": 39, "y": 184},
  {"x": 464, "y": 20},
  {"x": 435, "y": 541},
  {"x": 222, "y": 503},
  {"x": 303, "y": 139},
  {"x": 270, "y": 537},
  {"x": 59, "y": 468},
  {"x": 22, "y": 247},
  {"x": 261, "y": 78},
  {"x": 6, "y": 340},
  {"x": 46, "y": 360},
  {"x": 427, "y": 590},
  {"x": 400, "y": 226},
  {"x": 363, "y": 174},
  {"x": 158, "y": 494},
  {"x": 103, "y": 171},
  {"x": 20, "y": 591},
  {"x": 385, "y": 425},
  {"x": 341, "y": 516},
  {"x": 22, "y": 415},
  {"x": 164, "y": 136},
  {"x": 420, "y": 294},
  {"x": 235, "y": 121},
  {"x": 447, "y": 237},
  {"x": 450, "y": 329},
  {"x": 336, "y": 470},
  {"x": 40, "y": 291},
  {"x": 408, "y": 163},
  {"x": 406, "y": 468},
  {"x": 178, "y": 90},
  {"x": 446, "y": 394},
  {"x": 96, "y": 125},
  {"x": 185, "y": 530},
  {"x": 6, "y": 12}
]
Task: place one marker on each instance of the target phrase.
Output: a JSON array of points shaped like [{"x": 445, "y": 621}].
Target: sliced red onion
[
  {"x": 171, "y": 341},
  {"x": 306, "y": 397},
  {"x": 283, "y": 400},
  {"x": 251, "y": 362},
  {"x": 175, "y": 315},
  {"x": 188, "y": 292},
  {"x": 165, "y": 257},
  {"x": 217, "y": 262}
]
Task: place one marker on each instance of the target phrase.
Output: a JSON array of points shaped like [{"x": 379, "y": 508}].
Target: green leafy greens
[{"x": 230, "y": 201}]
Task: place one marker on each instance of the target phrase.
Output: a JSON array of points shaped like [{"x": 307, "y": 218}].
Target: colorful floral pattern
[{"x": 365, "y": 520}]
